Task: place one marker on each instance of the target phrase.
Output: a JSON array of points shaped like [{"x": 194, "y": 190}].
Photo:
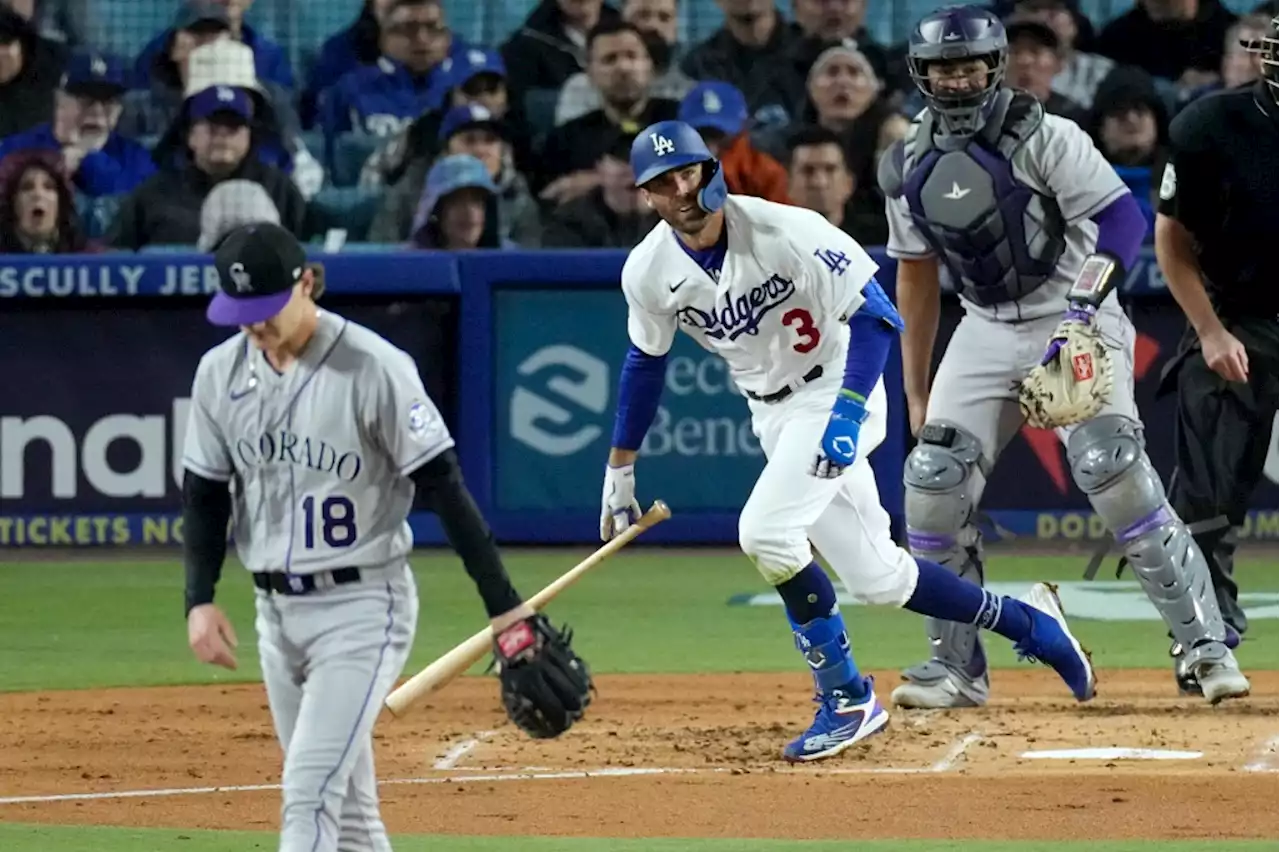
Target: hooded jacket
[
  {"x": 448, "y": 175},
  {"x": 540, "y": 56},
  {"x": 70, "y": 238},
  {"x": 341, "y": 53},
  {"x": 27, "y": 99}
]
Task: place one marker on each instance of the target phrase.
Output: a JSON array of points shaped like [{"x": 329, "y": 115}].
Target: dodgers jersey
[
  {"x": 1058, "y": 160},
  {"x": 788, "y": 285},
  {"x": 319, "y": 455}
]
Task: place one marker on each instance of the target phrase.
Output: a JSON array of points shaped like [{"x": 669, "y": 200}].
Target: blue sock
[
  {"x": 820, "y": 632},
  {"x": 941, "y": 594}
]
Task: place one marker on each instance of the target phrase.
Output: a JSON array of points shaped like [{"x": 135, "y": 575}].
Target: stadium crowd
[{"x": 402, "y": 133}]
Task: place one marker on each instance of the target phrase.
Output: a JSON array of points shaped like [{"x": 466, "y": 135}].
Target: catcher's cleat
[{"x": 937, "y": 686}]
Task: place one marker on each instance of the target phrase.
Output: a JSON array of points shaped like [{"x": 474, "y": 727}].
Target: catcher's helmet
[
  {"x": 1268, "y": 50},
  {"x": 952, "y": 34},
  {"x": 669, "y": 145}
]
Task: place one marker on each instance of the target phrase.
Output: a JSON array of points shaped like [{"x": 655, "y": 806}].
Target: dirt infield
[{"x": 688, "y": 756}]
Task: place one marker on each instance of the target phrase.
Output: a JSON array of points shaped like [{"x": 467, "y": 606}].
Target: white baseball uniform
[
  {"x": 779, "y": 310},
  {"x": 319, "y": 458}
]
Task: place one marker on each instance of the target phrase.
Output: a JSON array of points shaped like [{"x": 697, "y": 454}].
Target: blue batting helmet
[
  {"x": 952, "y": 34},
  {"x": 670, "y": 145}
]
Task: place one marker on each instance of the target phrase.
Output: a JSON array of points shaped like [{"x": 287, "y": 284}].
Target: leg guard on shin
[
  {"x": 943, "y": 480},
  {"x": 1110, "y": 465}
]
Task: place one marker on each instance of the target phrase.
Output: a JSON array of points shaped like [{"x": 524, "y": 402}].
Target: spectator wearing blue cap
[
  {"x": 30, "y": 70},
  {"x": 656, "y": 20},
  {"x": 271, "y": 60},
  {"x": 459, "y": 207},
  {"x": 621, "y": 70},
  {"x": 358, "y": 45},
  {"x": 718, "y": 111},
  {"x": 217, "y": 144},
  {"x": 384, "y": 98},
  {"x": 610, "y": 216},
  {"x": 87, "y": 107},
  {"x": 475, "y": 131},
  {"x": 552, "y": 43}
]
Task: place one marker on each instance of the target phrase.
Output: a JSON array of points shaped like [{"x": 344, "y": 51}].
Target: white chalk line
[
  {"x": 1265, "y": 757},
  {"x": 460, "y": 749},
  {"x": 957, "y": 750}
]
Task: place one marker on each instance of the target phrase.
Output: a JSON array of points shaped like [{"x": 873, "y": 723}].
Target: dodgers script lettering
[{"x": 742, "y": 314}]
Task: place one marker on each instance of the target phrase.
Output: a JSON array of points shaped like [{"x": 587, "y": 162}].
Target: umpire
[{"x": 1216, "y": 244}]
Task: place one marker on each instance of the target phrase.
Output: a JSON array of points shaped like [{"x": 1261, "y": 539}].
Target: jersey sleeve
[
  {"x": 1072, "y": 168},
  {"x": 205, "y": 451},
  {"x": 1190, "y": 186},
  {"x": 838, "y": 267},
  {"x": 651, "y": 329},
  {"x": 402, "y": 417},
  {"x": 905, "y": 240}
]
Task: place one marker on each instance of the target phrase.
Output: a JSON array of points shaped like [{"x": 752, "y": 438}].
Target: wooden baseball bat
[{"x": 466, "y": 654}]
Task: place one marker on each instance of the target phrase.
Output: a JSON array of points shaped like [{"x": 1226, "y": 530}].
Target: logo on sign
[
  {"x": 1082, "y": 366},
  {"x": 554, "y": 419}
]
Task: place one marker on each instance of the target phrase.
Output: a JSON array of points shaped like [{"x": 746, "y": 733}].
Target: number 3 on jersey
[
  {"x": 337, "y": 521},
  {"x": 801, "y": 322}
]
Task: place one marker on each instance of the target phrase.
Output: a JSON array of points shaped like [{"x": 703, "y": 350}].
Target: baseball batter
[
  {"x": 312, "y": 436},
  {"x": 790, "y": 303},
  {"x": 1035, "y": 229}
]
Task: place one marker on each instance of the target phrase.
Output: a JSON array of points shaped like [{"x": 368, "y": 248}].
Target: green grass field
[{"x": 90, "y": 624}]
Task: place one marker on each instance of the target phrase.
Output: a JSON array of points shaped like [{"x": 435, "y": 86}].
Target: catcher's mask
[
  {"x": 1268, "y": 50},
  {"x": 956, "y": 34}
]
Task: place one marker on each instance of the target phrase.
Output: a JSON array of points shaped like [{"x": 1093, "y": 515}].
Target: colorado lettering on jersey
[
  {"x": 740, "y": 315},
  {"x": 300, "y": 450}
]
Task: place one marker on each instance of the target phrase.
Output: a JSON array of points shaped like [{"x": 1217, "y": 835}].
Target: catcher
[{"x": 1035, "y": 230}]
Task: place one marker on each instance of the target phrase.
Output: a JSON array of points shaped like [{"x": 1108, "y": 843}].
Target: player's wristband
[{"x": 1098, "y": 276}]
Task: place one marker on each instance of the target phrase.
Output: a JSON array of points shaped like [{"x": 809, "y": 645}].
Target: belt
[
  {"x": 304, "y": 584},
  {"x": 779, "y": 396}
]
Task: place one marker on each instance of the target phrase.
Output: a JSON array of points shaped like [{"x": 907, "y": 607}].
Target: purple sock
[
  {"x": 808, "y": 595},
  {"x": 941, "y": 594}
]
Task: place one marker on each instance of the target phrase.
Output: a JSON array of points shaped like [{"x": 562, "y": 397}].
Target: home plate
[{"x": 1110, "y": 754}]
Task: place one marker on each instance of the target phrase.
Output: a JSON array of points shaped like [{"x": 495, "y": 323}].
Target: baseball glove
[
  {"x": 1073, "y": 381},
  {"x": 546, "y": 687}
]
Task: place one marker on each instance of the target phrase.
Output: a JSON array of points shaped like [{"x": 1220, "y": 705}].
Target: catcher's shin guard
[
  {"x": 944, "y": 481},
  {"x": 1110, "y": 465}
]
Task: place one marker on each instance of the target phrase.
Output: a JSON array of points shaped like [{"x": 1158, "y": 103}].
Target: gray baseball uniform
[{"x": 318, "y": 457}]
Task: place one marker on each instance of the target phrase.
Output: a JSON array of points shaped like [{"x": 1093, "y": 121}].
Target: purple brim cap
[{"x": 224, "y": 310}]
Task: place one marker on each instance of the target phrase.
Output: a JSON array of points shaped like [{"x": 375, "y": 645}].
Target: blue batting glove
[{"x": 840, "y": 440}]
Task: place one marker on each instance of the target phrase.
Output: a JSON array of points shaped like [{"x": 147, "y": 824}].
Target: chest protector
[{"x": 999, "y": 238}]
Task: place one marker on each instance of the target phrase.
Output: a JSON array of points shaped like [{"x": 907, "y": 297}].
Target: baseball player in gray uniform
[
  {"x": 1035, "y": 230},
  {"x": 312, "y": 436}
]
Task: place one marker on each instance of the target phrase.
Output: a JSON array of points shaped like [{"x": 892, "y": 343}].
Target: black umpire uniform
[{"x": 1218, "y": 220}]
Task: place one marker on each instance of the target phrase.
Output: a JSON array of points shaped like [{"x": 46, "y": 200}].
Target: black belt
[
  {"x": 304, "y": 584},
  {"x": 779, "y": 396}
]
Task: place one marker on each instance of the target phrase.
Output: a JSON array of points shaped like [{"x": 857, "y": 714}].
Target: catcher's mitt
[
  {"x": 1073, "y": 382},
  {"x": 546, "y": 687}
]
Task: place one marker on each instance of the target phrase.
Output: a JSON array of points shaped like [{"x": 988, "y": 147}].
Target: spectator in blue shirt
[
  {"x": 342, "y": 52},
  {"x": 86, "y": 108},
  {"x": 271, "y": 60},
  {"x": 383, "y": 98}
]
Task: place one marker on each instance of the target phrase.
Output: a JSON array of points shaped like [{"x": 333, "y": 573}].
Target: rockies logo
[{"x": 240, "y": 278}]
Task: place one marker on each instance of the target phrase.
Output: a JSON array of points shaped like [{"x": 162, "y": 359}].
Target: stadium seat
[
  {"x": 350, "y": 151},
  {"x": 125, "y": 26},
  {"x": 97, "y": 214},
  {"x": 168, "y": 248},
  {"x": 349, "y": 208}
]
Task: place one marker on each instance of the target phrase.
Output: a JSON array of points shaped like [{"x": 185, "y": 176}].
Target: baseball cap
[
  {"x": 1041, "y": 34},
  {"x": 216, "y": 99},
  {"x": 471, "y": 115},
  {"x": 717, "y": 105},
  {"x": 195, "y": 12},
  {"x": 470, "y": 63},
  {"x": 257, "y": 267},
  {"x": 98, "y": 75}
]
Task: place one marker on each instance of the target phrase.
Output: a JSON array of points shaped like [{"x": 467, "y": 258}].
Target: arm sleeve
[
  {"x": 1065, "y": 160},
  {"x": 837, "y": 266},
  {"x": 206, "y": 511},
  {"x": 205, "y": 451},
  {"x": 871, "y": 332},
  {"x": 1191, "y": 186},
  {"x": 441, "y": 489},
  {"x": 639, "y": 391},
  {"x": 1121, "y": 229},
  {"x": 404, "y": 420},
  {"x": 905, "y": 240}
]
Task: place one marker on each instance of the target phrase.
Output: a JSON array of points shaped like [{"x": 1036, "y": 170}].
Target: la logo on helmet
[{"x": 662, "y": 145}]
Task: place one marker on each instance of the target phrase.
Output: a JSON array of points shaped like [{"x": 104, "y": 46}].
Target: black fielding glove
[{"x": 546, "y": 687}]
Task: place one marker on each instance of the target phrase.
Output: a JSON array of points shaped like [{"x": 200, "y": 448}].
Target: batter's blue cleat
[
  {"x": 1052, "y": 643},
  {"x": 841, "y": 721}
]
